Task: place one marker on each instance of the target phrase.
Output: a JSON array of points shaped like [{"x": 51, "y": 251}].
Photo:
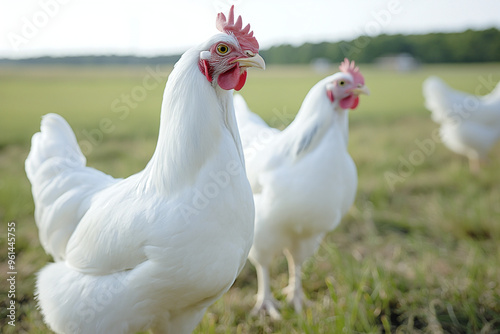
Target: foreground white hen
[
  {"x": 154, "y": 250},
  {"x": 470, "y": 124},
  {"x": 303, "y": 178}
]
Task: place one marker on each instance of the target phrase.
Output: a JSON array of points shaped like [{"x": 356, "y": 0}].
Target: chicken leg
[
  {"x": 296, "y": 255},
  {"x": 265, "y": 300}
]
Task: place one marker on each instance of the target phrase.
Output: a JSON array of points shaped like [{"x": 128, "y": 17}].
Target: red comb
[
  {"x": 353, "y": 70},
  {"x": 243, "y": 35}
]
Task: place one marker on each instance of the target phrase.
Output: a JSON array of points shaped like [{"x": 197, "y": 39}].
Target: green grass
[{"x": 420, "y": 255}]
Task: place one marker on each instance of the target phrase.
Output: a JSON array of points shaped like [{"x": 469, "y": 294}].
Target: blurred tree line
[
  {"x": 463, "y": 47},
  {"x": 95, "y": 60}
]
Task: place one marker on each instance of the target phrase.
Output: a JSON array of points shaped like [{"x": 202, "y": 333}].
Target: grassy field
[{"x": 416, "y": 255}]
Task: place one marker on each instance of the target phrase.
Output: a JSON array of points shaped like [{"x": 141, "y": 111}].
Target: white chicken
[
  {"x": 470, "y": 124},
  {"x": 303, "y": 179},
  {"x": 154, "y": 250}
]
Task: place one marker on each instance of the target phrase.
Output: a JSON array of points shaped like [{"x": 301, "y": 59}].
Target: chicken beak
[
  {"x": 254, "y": 61},
  {"x": 361, "y": 90}
]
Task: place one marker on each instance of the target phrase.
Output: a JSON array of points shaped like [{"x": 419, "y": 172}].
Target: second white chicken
[{"x": 303, "y": 179}]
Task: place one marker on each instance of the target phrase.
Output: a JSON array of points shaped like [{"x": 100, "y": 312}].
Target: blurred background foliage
[{"x": 463, "y": 47}]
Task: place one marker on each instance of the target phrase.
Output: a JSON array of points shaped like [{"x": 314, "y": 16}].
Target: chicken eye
[
  {"x": 341, "y": 83},
  {"x": 222, "y": 49}
]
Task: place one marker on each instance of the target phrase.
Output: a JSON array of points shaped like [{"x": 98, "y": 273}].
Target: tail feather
[
  {"x": 75, "y": 303},
  {"x": 450, "y": 105},
  {"x": 441, "y": 100},
  {"x": 62, "y": 185},
  {"x": 55, "y": 140}
]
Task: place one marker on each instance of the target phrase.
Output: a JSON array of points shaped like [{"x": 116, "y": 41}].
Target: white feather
[{"x": 470, "y": 124}]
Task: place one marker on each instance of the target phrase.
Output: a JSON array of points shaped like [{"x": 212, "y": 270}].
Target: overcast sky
[{"x": 151, "y": 27}]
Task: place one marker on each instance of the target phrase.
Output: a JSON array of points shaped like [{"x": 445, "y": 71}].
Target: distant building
[
  {"x": 402, "y": 62},
  {"x": 321, "y": 65}
]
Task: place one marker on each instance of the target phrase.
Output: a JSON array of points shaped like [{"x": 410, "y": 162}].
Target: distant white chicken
[
  {"x": 154, "y": 250},
  {"x": 470, "y": 124},
  {"x": 303, "y": 179}
]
